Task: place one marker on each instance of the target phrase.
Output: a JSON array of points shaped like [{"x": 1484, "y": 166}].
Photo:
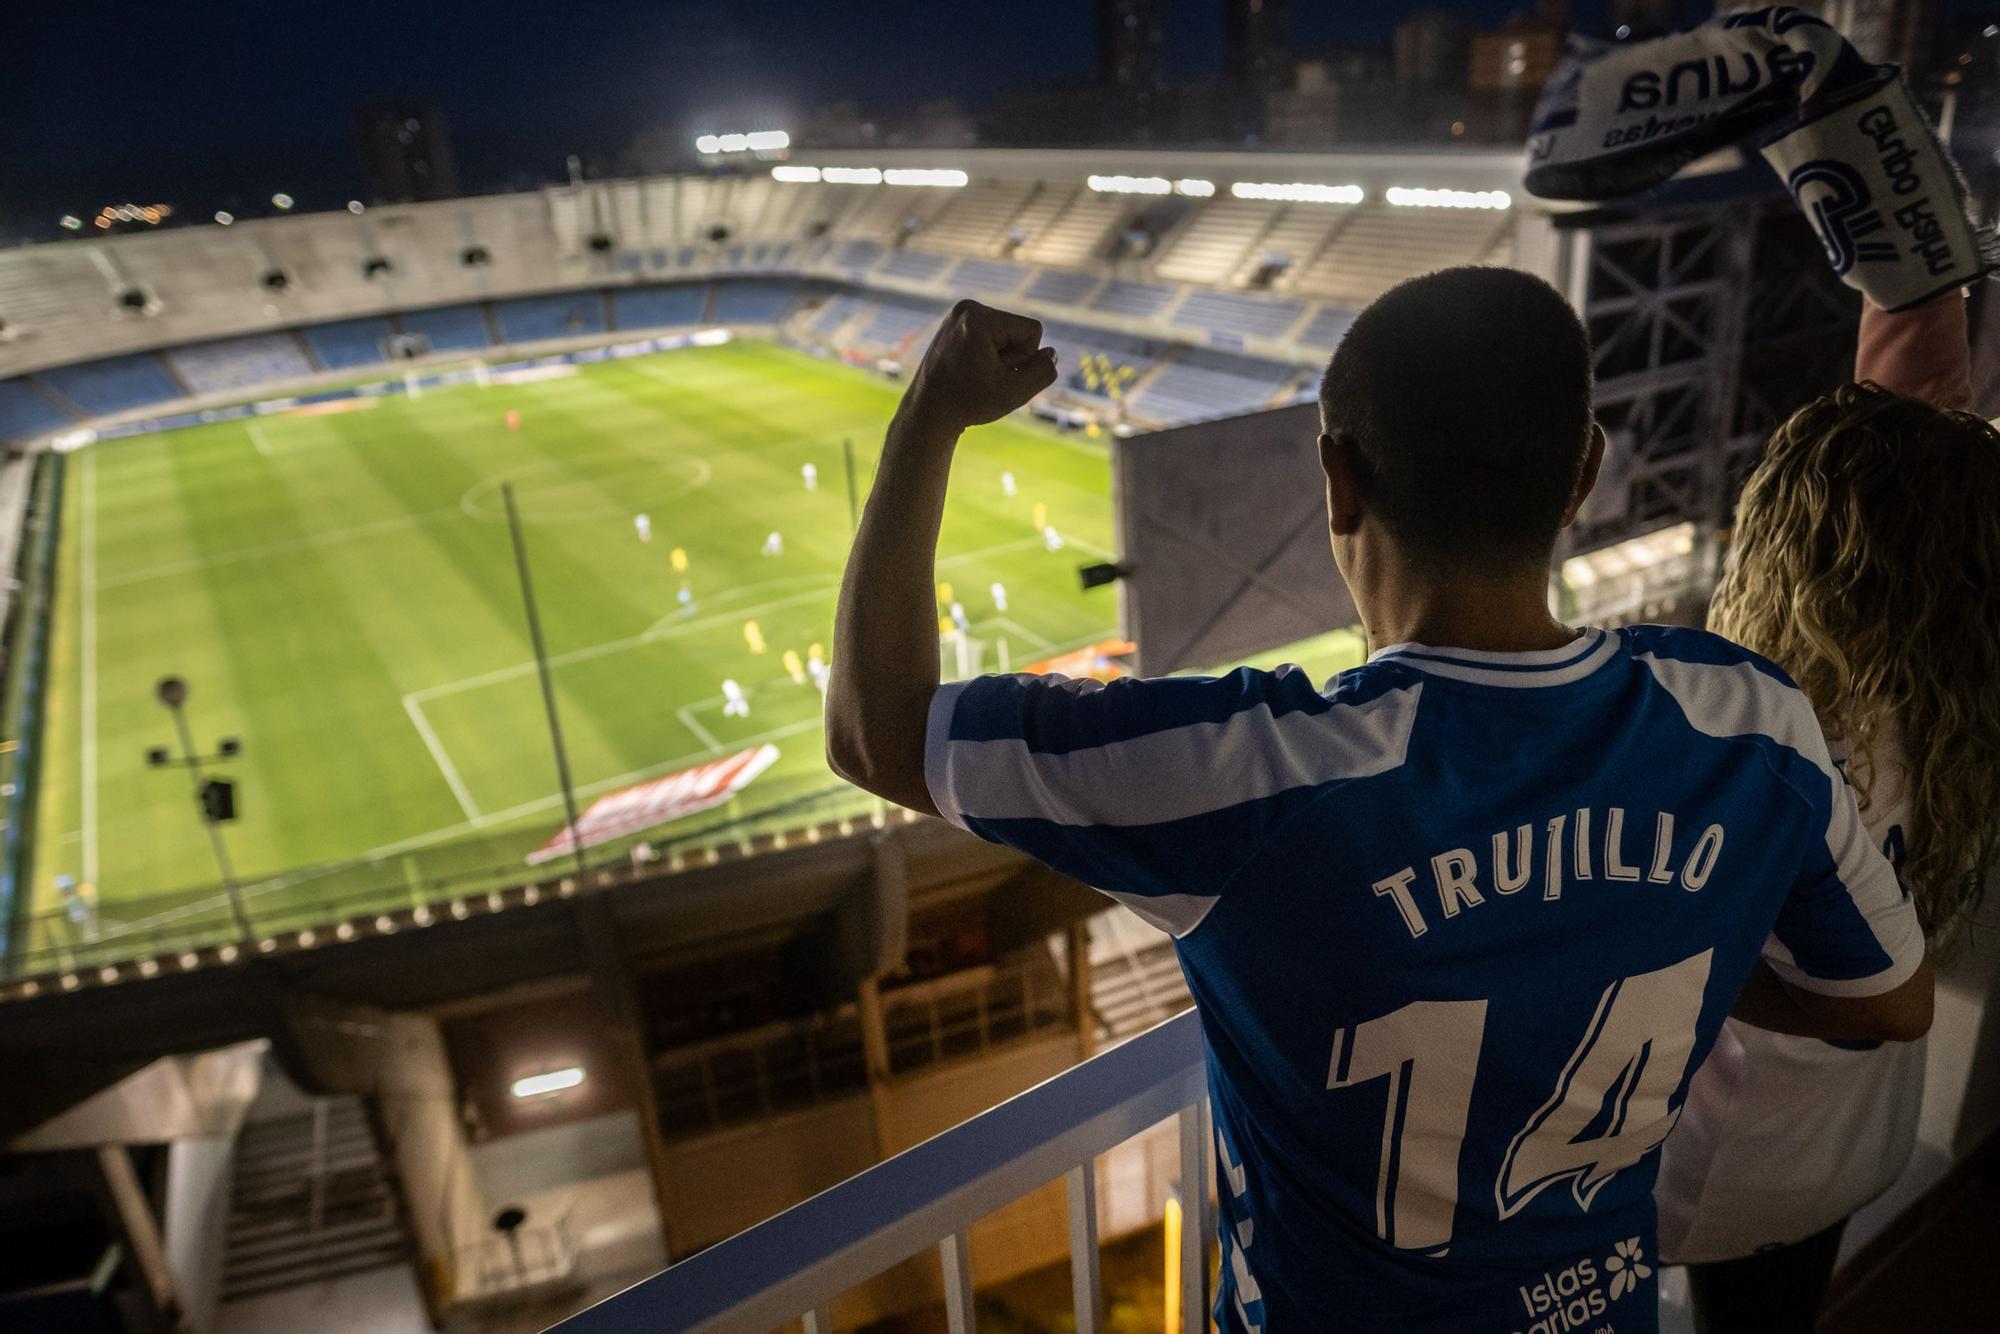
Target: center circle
[{"x": 579, "y": 490}]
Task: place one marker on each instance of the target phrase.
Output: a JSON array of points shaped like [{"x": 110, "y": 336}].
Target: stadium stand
[
  {"x": 857, "y": 257},
  {"x": 754, "y": 301},
  {"x": 1235, "y": 315},
  {"x": 1142, "y": 301},
  {"x": 827, "y": 320},
  {"x": 1062, "y": 287},
  {"x": 1381, "y": 247},
  {"x": 1327, "y": 328},
  {"x": 1213, "y": 244},
  {"x": 345, "y": 344},
  {"x": 1079, "y": 233},
  {"x": 896, "y": 321},
  {"x": 535, "y": 318},
  {"x": 25, "y": 413},
  {"x": 987, "y": 277},
  {"x": 1199, "y": 384},
  {"x": 974, "y": 220},
  {"x": 660, "y": 307},
  {"x": 450, "y": 328},
  {"x": 1077, "y": 348},
  {"x": 115, "y": 385},
  {"x": 913, "y": 264},
  {"x": 229, "y": 364}
]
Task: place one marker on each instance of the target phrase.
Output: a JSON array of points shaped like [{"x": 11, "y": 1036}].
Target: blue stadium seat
[
  {"x": 858, "y": 255},
  {"x": 897, "y": 322},
  {"x": 115, "y": 385},
  {"x": 530, "y": 319},
  {"x": 996, "y": 276},
  {"x": 346, "y": 343},
  {"x": 1062, "y": 287},
  {"x": 1140, "y": 300},
  {"x": 449, "y": 328},
  {"x": 25, "y": 414},
  {"x": 1237, "y": 314},
  {"x": 1200, "y": 384},
  {"x": 914, "y": 265},
  {"x": 836, "y": 312},
  {"x": 753, "y": 301},
  {"x": 1327, "y": 328},
  {"x": 229, "y": 364},
  {"x": 660, "y": 307}
]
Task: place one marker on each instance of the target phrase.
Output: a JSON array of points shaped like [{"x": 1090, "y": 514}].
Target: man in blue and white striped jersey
[{"x": 1459, "y": 925}]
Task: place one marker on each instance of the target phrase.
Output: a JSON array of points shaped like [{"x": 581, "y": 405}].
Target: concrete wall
[
  {"x": 419, "y": 1106},
  {"x": 195, "y": 1222}
]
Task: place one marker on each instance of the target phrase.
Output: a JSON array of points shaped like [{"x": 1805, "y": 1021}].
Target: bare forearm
[
  {"x": 1923, "y": 352},
  {"x": 1901, "y": 1015},
  {"x": 885, "y": 668}
]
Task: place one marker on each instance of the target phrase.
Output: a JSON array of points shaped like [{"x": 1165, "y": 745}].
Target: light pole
[{"x": 214, "y": 799}]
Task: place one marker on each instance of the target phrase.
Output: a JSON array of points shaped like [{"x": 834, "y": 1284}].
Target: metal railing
[
  {"x": 512, "y": 1262},
  {"x": 794, "y": 1265}
]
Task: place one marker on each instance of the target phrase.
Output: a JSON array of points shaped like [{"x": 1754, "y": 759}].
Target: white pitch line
[
  {"x": 258, "y": 439},
  {"x": 707, "y": 737},
  {"x": 88, "y": 575},
  {"x": 1039, "y": 641},
  {"x": 438, "y": 753}
]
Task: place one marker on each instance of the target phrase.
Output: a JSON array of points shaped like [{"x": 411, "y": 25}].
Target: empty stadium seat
[
  {"x": 857, "y": 256},
  {"x": 896, "y": 324},
  {"x": 660, "y": 307},
  {"x": 531, "y": 319},
  {"x": 449, "y": 328},
  {"x": 986, "y": 276},
  {"x": 230, "y": 364},
  {"x": 826, "y": 321},
  {"x": 1199, "y": 384},
  {"x": 914, "y": 265},
  {"x": 1237, "y": 315},
  {"x": 25, "y": 413},
  {"x": 1062, "y": 287},
  {"x": 1139, "y": 300},
  {"x": 348, "y": 343},
  {"x": 1078, "y": 354},
  {"x": 117, "y": 384},
  {"x": 1326, "y": 328},
  {"x": 753, "y": 301}
]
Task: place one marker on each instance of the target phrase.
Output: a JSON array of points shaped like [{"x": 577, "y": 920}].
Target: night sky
[{"x": 224, "y": 101}]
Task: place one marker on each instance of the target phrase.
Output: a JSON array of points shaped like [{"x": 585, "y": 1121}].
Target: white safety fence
[{"x": 792, "y": 1266}]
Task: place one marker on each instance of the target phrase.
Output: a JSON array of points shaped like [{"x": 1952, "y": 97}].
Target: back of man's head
[{"x": 1462, "y": 400}]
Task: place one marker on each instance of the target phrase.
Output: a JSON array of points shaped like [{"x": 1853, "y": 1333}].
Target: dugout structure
[{"x": 1711, "y": 321}]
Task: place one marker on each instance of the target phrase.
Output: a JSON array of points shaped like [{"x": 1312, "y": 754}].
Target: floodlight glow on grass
[
  {"x": 1298, "y": 192},
  {"x": 1404, "y": 196},
  {"x": 946, "y": 176},
  {"x": 851, "y": 175},
  {"x": 555, "y": 1081},
  {"x": 796, "y": 175}
]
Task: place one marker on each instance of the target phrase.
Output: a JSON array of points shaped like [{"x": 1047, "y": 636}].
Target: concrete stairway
[{"x": 313, "y": 1200}]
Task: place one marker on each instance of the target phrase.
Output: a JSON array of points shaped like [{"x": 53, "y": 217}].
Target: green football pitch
[{"x": 339, "y": 591}]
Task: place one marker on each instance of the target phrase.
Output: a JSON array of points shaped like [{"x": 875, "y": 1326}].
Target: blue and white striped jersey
[{"x": 1460, "y": 927}]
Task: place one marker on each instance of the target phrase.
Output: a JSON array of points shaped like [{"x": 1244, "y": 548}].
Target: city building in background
[{"x": 405, "y": 150}]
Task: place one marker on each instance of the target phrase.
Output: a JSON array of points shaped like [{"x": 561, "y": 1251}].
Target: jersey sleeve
[
  {"x": 1846, "y": 927},
  {"x": 1154, "y": 791}
]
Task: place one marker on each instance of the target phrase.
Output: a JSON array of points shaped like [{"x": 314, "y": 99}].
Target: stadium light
[
  {"x": 757, "y": 141},
  {"x": 1298, "y": 192},
  {"x": 851, "y": 175},
  {"x": 1404, "y": 196},
  {"x": 224, "y": 217},
  {"x": 1130, "y": 185},
  {"x": 1194, "y": 187},
  {"x": 71, "y": 223},
  {"x": 796, "y": 175},
  {"x": 945, "y": 176},
  {"x": 281, "y": 200},
  {"x": 555, "y": 1081},
  {"x": 355, "y": 207}
]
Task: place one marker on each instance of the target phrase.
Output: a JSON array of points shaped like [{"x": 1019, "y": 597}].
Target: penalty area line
[{"x": 442, "y": 757}]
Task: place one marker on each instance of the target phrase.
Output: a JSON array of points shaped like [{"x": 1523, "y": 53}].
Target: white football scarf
[{"x": 1843, "y": 135}]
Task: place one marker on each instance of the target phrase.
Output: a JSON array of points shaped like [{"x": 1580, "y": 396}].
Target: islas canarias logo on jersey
[{"x": 1578, "y": 1298}]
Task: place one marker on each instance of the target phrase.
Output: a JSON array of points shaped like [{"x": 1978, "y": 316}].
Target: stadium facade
[{"x": 750, "y": 1020}]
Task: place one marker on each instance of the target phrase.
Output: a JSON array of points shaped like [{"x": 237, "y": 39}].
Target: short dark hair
[{"x": 1463, "y": 397}]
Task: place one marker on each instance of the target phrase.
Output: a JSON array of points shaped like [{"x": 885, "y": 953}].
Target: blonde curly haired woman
[{"x": 1866, "y": 563}]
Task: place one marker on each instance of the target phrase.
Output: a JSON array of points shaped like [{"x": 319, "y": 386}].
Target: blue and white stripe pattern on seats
[
  {"x": 117, "y": 384},
  {"x": 660, "y": 307},
  {"x": 531, "y": 319},
  {"x": 344, "y": 344}
]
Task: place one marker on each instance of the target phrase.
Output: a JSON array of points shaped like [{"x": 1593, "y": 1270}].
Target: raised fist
[{"x": 983, "y": 364}]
